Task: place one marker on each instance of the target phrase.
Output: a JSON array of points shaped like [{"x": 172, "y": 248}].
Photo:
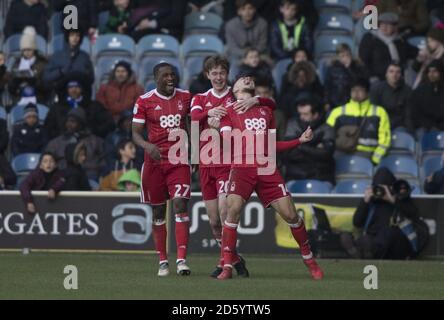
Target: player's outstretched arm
[
  {"x": 307, "y": 136},
  {"x": 151, "y": 149}
]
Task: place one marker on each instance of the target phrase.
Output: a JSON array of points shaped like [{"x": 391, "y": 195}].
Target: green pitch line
[{"x": 104, "y": 276}]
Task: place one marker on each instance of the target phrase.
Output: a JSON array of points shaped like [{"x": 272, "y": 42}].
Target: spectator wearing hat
[
  {"x": 75, "y": 132},
  {"x": 289, "y": 32},
  {"x": 122, "y": 132},
  {"x": 68, "y": 61},
  {"x": 23, "y": 13},
  {"x": 126, "y": 151},
  {"x": 379, "y": 48},
  {"x": 427, "y": 101},
  {"x": 413, "y": 15},
  {"x": 434, "y": 50},
  {"x": 129, "y": 181},
  {"x": 98, "y": 119},
  {"x": 121, "y": 92},
  {"x": 27, "y": 70},
  {"x": 30, "y": 136},
  {"x": 75, "y": 176},
  {"x": 371, "y": 122}
]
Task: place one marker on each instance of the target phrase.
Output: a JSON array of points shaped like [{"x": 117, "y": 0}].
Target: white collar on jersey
[
  {"x": 223, "y": 94},
  {"x": 163, "y": 97}
]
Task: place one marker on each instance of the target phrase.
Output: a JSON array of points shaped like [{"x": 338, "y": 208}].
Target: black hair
[
  {"x": 161, "y": 65},
  {"x": 47, "y": 153},
  {"x": 314, "y": 106}
]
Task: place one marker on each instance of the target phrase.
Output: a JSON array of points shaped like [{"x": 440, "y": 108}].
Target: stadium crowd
[{"x": 365, "y": 98}]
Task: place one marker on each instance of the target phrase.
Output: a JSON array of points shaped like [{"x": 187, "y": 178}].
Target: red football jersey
[
  {"x": 162, "y": 115},
  {"x": 200, "y": 105},
  {"x": 257, "y": 123}
]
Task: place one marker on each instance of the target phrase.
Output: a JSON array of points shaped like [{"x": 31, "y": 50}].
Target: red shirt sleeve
[
  {"x": 197, "y": 111},
  {"x": 282, "y": 146},
  {"x": 266, "y": 102},
  {"x": 139, "y": 115}
]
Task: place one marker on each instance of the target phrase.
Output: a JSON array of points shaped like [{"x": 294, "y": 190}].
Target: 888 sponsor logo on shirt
[
  {"x": 170, "y": 121},
  {"x": 256, "y": 124}
]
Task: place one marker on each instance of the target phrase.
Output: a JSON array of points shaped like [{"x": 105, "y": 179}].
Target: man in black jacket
[
  {"x": 24, "y": 13},
  {"x": 313, "y": 160},
  {"x": 382, "y": 216}
]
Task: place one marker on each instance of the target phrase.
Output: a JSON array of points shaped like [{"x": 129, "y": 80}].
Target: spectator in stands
[
  {"x": 213, "y": 6},
  {"x": 253, "y": 66},
  {"x": 200, "y": 83},
  {"x": 126, "y": 150},
  {"x": 313, "y": 160},
  {"x": 413, "y": 15},
  {"x": 118, "y": 17},
  {"x": 3, "y": 73},
  {"x": 393, "y": 94},
  {"x": 99, "y": 120},
  {"x": 8, "y": 179},
  {"x": 76, "y": 131},
  {"x": 388, "y": 218},
  {"x": 27, "y": 70},
  {"x": 361, "y": 128},
  {"x": 130, "y": 181},
  {"x": 30, "y": 136},
  {"x": 427, "y": 101},
  {"x": 246, "y": 30},
  {"x": 47, "y": 176},
  {"x": 158, "y": 16},
  {"x": 380, "y": 47},
  {"x": 4, "y": 136},
  {"x": 434, "y": 184},
  {"x": 75, "y": 176},
  {"x": 340, "y": 75},
  {"x": 434, "y": 50},
  {"x": 301, "y": 81},
  {"x": 87, "y": 13},
  {"x": 23, "y": 13},
  {"x": 289, "y": 32},
  {"x": 70, "y": 60},
  {"x": 121, "y": 91}
]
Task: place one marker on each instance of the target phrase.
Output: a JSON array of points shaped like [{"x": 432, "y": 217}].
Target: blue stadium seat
[
  {"x": 416, "y": 189},
  {"x": 157, "y": 45},
  {"x": 202, "y": 23},
  {"x": 337, "y": 23},
  {"x": 3, "y": 114},
  {"x": 150, "y": 85},
  {"x": 401, "y": 166},
  {"x": 58, "y": 43},
  {"x": 17, "y": 112},
  {"x": 193, "y": 66},
  {"x": 326, "y": 44},
  {"x": 348, "y": 167},
  {"x": 309, "y": 186},
  {"x": 105, "y": 66},
  {"x": 56, "y": 22},
  {"x": 201, "y": 45},
  {"x": 431, "y": 165},
  {"x": 402, "y": 143},
  {"x": 359, "y": 31},
  {"x": 24, "y": 163},
  {"x": 147, "y": 64},
  {"x": 418, "y": 42},
  {"x": 115, "y": 45},
  {"x": 94, "y": 184},
  {"x": 338, "y": 5},
  {"x": 432, "y": 143},
  {"x": 352, "y": 187},
  {"x": 11, "y": 45},
  {"x": 278, "y": 72}
]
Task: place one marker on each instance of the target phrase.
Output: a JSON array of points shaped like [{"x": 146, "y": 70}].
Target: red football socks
[
  {"x": 182, "y": 235},
  {"x": 301, "y": 237},
  {"x": 160, "y": 237},
  {"x": 229, "y": 240}
]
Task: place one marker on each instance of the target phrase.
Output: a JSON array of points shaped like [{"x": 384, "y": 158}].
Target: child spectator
[
  {"x": 45, "y": 177},
  {"x": 30, "y": 136},
  {"x": 75, "y": 177},
  {"x": 253, "y": 66},
  {"x": 118, "y": 17},
  {"x": 245, "y": 30},
  {"x": 289, "y": 32},
  {"x": 126, "y": 150},
  {"x": 129, "y": 181},
  {"x": 121, "y": 91}
]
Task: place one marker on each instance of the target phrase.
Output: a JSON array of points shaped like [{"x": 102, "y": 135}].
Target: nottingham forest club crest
[
  {"x": 180, "y": 105},
  {"x": 263, "y": 112}
]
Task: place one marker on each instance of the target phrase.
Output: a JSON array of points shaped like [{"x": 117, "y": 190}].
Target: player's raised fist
[{"x": 307, "y": 136}]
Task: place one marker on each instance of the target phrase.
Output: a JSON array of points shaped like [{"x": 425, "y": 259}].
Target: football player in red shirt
[
  {"x": 214, "y": 176},
  {"x": 163, "y": 111},
  {"x": 246, "y": 177}
]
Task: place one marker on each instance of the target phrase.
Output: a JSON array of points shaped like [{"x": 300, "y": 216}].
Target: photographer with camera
[{"x": 389, "y": 220}]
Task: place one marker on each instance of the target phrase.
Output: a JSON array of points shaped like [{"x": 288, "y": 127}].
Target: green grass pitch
[{"x": 117, "y": 276}]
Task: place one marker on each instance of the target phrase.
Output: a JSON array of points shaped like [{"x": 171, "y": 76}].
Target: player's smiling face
[
  {"x": 166, "y": 81},
  {"x": 218, "y": 77}
]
